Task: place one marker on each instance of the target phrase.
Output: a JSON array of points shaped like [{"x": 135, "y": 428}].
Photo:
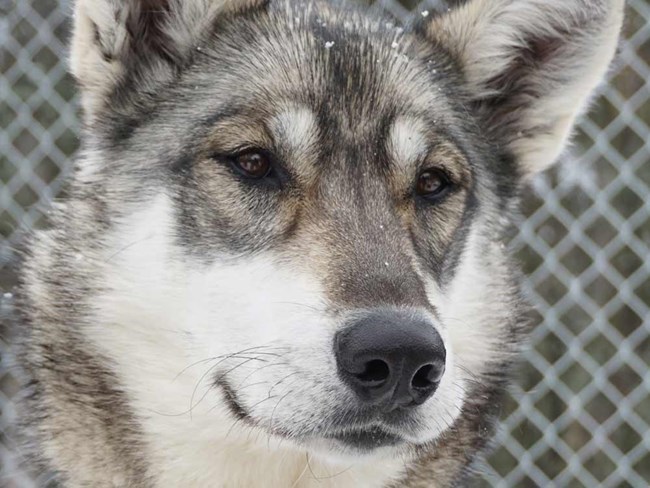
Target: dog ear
[
  {"x": 115, "y": 39},
  {"x": 530, "y": 66}
]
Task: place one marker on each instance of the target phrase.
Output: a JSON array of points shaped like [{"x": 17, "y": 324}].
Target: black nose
[{"x": 391, "y": 358}]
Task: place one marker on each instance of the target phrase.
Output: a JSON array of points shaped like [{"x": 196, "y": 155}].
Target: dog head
[{"x": 302, "y": 206}]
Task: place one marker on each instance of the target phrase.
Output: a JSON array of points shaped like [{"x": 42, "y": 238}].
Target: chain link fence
[{"x": 579, "y": 415}]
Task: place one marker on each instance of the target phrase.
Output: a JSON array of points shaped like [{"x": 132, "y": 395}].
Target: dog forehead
[{"x": 345, "y": 60}]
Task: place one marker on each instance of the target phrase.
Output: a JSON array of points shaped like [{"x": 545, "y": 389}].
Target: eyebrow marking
[
  {"x": 406, "y": 141},
  {"x": 296, "y": 126}
]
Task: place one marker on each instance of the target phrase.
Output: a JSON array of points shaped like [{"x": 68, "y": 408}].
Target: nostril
[
  {"x": 427, "y": 376},
  {"x": 375, "y": 373}
]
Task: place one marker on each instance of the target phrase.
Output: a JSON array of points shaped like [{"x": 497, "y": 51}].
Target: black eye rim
[
  {"x": 446, "y": 189},
  {"x": 230, "y": 158}
]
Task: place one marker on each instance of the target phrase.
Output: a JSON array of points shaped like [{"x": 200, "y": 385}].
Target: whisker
[
  {"x": 473, "y": 375},
  {"x": 261, "y": 401},
  {"x": 335, "y": 474},
  {"x": 275, "y": 408},
  {"x": 278, "y": 404},
  {"x": 311, "y": 470},
  {"x": 252, "y": 384},
  {"x": 237, "y": 420},
  {"x": 192, "y": 404},
  {"x": 128, "y": 246},
  {"x": 461, "y": 387},
  {"x": 295, "y": 483},
  {"x": 225, "y": 356},
  {"x": 277, "y": 363},
  {"x": 288, "y": 376},
  {"x": 300, "y": 305}
]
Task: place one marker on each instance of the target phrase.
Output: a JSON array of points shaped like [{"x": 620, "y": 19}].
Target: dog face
[{"x": 303, "y": 208}]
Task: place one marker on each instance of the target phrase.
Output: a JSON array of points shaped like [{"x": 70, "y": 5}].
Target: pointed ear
[
  {"x": 114, "y": 39},
  {"x": 530, "y": 66}
]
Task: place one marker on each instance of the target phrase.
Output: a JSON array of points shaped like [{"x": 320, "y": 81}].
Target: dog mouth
[
  {"x": 365, "y": 438},
  {"x": 232, "y": 401}
]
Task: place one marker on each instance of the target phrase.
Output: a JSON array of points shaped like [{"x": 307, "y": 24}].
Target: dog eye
[
  {"x": 432, "y": 183},
  {"x": 252, "y": 164}
]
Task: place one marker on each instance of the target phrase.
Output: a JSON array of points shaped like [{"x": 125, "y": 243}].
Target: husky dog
[{"x": 282, "y": 259}]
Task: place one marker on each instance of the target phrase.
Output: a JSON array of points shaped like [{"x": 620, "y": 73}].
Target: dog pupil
[
  {"x": 429, "y": 182},
  {"x": 255, "y": 164}
]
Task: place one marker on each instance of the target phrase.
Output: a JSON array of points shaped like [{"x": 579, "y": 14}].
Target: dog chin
[
  {"x": 373, "y": 441},
  {"x": 355, "y": 447}
]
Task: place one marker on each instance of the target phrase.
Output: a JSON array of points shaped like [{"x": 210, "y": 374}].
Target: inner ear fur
[
  {"x": 113, "y": 39},
  {"x": 530, "y": 66}
]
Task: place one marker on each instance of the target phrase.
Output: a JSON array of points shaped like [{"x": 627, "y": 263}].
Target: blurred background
[{"x": 579, "y": 415}]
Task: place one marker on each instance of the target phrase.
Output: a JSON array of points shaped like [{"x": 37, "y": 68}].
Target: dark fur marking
[{"x": 231, "y": 400}]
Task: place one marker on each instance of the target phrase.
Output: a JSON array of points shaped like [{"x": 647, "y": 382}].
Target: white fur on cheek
[
  {"x": 166, "y": 322},
  {"x": 474, "y": 317}
]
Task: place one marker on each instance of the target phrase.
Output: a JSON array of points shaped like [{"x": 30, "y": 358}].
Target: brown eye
[
  {"x": 432, "y": 183},
  {"x": 253, "y": 164}
]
